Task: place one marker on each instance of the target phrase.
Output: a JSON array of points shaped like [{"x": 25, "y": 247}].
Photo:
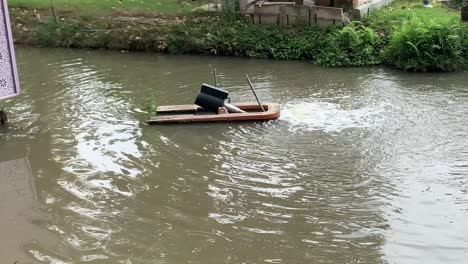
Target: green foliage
[
  {"x": 79, "y": 33},
  {"x": 386, "y": 19},
  {"x": 51, "y": 34},
  {"x": 187, "y": 38},
  {"x": 459, "y": 3},
  {"x": 444, "y": 45},
  {"x": 150, "y": 105},
  {"x": 464, "y": 36},
  {"x": 353, "y": 45},
  {"x": 232, "y": 35},
  {"x": 431, "y": 45}
]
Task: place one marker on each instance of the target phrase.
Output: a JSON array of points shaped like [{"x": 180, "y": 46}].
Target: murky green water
[{"x": 366, "y": 165}]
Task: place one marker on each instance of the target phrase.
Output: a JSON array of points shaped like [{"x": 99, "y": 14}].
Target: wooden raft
[{"x": 194, "y": 113}]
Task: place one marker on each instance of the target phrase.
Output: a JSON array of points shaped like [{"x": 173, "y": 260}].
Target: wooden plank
[
  {"x": 330, "y": 13},
  {"x": 278, "y": 3},
  {"x": 177, "y": 108}
]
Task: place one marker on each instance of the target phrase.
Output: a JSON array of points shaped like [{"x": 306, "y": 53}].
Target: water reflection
[
  {"x": 21, "y": 220},
  {"x": 343, "y": 177},
  {"x": 17, "y": 205}
]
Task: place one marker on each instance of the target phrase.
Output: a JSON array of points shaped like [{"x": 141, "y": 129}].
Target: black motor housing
[
  {"x": 211, "y": 98},
  {"x": 214, "y": 91}
]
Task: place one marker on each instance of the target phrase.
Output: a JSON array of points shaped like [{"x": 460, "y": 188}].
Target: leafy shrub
[
  {"x": 353, "y": 45},
  {"x": 232, "y": 35},
  {"x": 51, "y": 34},
  {"x": 150, "y": 105},
  {"x": 186, "y": 39},
  {"x": 413, "y": 45},
  {"x": 459, "y": 3},
  {"x": 432, "y": 45},
  {"x": 464, "y": 36}
]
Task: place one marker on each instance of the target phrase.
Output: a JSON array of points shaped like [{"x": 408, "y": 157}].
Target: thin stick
[
  {"x": 215, "y": 76},
  {"x": 253, "y": 90},
  {"x": 53, "y": 11}
]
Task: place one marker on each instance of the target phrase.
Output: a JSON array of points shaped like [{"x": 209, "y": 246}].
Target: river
[{"x": 366, "y": 165}]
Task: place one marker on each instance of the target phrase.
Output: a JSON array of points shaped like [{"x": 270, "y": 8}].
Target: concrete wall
[
  {"x": 288, "y": 14},
  {"x": 271, "y": 13},
  {"x": 364, "y": 9}
]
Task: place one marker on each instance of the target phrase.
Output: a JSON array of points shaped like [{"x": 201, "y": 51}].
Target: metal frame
[{"x": 11, "y": 50}]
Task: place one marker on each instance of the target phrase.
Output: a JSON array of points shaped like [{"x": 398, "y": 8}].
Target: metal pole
[
  {"x": 53, "y": 11},
  {"x": 255, "y": 94},
  {"x": 215, "y": 78}
]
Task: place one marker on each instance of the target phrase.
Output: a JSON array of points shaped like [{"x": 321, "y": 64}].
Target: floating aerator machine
[
  {"x": 212, "y": 98},
  {"x": 215, "y": 100}
]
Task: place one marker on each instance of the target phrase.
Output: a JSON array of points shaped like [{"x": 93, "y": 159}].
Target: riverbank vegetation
[
  {"x": 353, "y": 45},
  {"x": 109, "y": 7},
  {"x": 405, "y": 35},
  {"x": 421, "y": 39},
  {"x": 426, "y": 46}
]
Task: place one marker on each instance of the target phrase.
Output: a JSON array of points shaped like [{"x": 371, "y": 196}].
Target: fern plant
[
  {"x": 353, "y": 45},
  {"x": 426, "y": 46}
]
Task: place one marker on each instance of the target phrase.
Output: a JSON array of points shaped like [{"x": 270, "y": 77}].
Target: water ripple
[{"x": 366, "y": 165}]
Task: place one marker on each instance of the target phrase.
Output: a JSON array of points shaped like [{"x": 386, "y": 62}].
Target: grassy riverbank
[
  {"x": 108, "y": 7},
  {"x": 405, "y": 35},
  {"x": 417, "y": 38}
]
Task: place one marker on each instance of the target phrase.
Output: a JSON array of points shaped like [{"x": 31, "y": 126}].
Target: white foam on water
[{"x": 329, "y": 117}]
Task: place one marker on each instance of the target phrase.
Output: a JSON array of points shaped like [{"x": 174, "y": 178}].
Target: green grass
[
  {"x": 102, "y": 7},
  {"x": 400, "y": 11}
]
